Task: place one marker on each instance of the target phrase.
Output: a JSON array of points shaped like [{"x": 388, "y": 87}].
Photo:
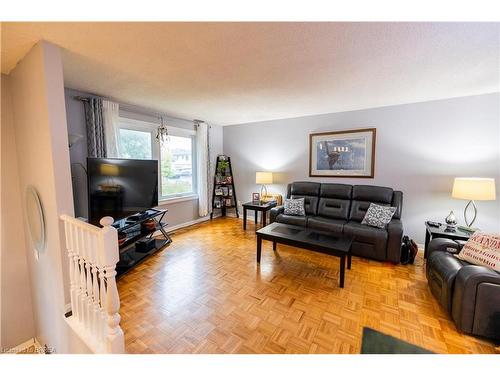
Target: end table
[
  {"x": 263, "y": 207},
  {"x": 442, "y": 232}
]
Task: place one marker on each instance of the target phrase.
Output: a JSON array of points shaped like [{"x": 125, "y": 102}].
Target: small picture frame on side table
[{"x": 255, "y": 197}]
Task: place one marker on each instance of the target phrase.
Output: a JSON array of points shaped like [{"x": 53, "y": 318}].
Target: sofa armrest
[
  {"x": 467, "y": 283},
  {"x": 395, "y": 238},
  {"x": 275, "y": 211},
  {"x": 443, "y": 244}
]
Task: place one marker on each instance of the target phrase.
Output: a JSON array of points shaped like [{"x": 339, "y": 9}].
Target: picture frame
[
  {"x": 255, "y": 197},
  {"x": 346, "y": 153}
]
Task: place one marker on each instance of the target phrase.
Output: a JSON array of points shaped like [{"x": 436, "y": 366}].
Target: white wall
[
  {"x": 43, "y": 161},
  {"x": 179, "y": 213},
  {"x": 420, "y": 148},
  {"x": 17, "y": 324}
]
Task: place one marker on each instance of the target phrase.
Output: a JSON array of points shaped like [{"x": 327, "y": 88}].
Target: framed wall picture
[{"x": 349, "y": 153}]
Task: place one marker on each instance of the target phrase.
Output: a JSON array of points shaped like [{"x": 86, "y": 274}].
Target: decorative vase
[{"x": 451, "y": 221}]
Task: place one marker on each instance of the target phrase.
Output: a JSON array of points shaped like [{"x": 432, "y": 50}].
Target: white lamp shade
[
  {"x": 479, "y": 189},
  {"x": 264, "y": 178}
]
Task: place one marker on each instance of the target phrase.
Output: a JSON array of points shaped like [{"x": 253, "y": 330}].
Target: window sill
[{"x": 167, "y": 201}]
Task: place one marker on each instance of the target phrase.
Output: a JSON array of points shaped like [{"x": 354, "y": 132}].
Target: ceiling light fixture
[{"x": 162, "y": 132}]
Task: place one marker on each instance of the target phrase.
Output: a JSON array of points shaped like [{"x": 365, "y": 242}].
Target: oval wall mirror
[{"x": 36, "y": 221}]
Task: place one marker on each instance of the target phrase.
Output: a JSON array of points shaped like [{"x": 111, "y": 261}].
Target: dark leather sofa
[
  {"x": 469, "y": 293},
  {"x": 340, "y": 208}
]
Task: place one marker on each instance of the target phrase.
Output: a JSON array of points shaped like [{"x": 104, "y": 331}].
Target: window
[
  {"x": 177, "y": 175},
  {"x": 135, "y": 144},
  {"x": 177, "y": 166}
]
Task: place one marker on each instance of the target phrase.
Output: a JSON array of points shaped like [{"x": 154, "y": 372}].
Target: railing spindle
[{"x": 95, "y": 303}]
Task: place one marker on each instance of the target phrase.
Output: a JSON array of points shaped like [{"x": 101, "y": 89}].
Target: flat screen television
[{"x": 120, "y": 187}]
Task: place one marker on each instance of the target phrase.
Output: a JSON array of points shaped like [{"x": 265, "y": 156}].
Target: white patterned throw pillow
[
  {"x": 378, "y": 216},
  {"x": 295, "y": 207},
  {"x": 482, "y": 249}
]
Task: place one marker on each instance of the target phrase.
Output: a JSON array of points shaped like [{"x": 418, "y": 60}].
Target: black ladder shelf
[{"x": 224, "y": 193}]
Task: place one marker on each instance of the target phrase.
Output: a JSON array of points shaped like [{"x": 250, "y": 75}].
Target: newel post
[{"x": 109, "y": 254}]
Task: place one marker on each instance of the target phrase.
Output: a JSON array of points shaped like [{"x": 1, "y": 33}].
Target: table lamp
[
  {"x": 473, "y": 189},
  {"x": 263, "y": 178}
]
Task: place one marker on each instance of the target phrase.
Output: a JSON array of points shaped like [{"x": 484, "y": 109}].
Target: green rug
[{"x": 375, "y": 342}]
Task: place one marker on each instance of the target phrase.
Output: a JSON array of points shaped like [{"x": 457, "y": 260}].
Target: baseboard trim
[
  {"x": 187, "y": 224},
  {"x": 173, "y": 228}
]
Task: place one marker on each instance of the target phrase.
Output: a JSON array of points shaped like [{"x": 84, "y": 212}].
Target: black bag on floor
[
  {"x": 413, "y": 251},
  {"x": 405, "y": 250}
]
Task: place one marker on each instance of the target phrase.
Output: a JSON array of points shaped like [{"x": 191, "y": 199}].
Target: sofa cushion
[
  {"x": 378, "y": 216},
  {"x": 326, "y": 224},
  {"x": 292, "y": 220},
  {"x": 441, "y": 269},
  {"x": 397, "y": 201},
  {"x": 358, "y": 210},
  {"x": 367, "y": 241},
  {"x": 334, "y": 208},
  {"x": 339, "y": 191},
  {"x": 369, "y": 193},
  {"x": 305, "y": 188},
  {"x": 294, "y": 207},
  {"x": 335, "y": 201},
  {"x": 310, "y": 203},
  {"x": 363, "y": 195}
]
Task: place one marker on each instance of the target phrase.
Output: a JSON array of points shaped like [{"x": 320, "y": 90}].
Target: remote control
[{"x": 434, "y": 224}]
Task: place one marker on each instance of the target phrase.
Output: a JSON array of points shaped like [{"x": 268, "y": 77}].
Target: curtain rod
[{"x": 133, "y": 108}]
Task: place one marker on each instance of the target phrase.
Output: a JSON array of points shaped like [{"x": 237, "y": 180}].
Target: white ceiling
[{"x": 229, "y": 73}]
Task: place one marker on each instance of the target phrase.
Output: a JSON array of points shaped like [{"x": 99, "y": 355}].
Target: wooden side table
[
  {"x": 256, "y": 207},
  {"x": 442, "y": 232}
]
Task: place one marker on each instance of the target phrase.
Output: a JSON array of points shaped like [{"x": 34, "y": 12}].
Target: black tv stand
[
  {"x": 138, "y": 216},
  {"x": 129, "y": 257}
]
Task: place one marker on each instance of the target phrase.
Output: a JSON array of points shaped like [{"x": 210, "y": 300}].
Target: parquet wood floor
[{"x": 205, "y": 294}]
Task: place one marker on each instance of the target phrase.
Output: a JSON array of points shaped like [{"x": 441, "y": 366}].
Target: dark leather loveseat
[
  {"x": 469, "y": 293},
  {"x": 340, "y": 208}
]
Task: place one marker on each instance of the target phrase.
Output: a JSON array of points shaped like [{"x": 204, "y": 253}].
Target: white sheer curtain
[
  {"x": 202, "y": 167},
  {"x": 110, "y": 116}
]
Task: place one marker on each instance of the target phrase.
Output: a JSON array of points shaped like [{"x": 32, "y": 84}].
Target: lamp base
[
  {"x": 263, "y": 192},
  {"x": 464, "y": 228},
  {"x": 474, "y": 210}
]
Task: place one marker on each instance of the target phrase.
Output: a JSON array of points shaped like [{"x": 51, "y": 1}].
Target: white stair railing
[{"x": 93, "y": 254}]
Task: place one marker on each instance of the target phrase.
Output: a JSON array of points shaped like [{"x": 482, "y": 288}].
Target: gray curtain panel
[{"x": 96, "y": 145}]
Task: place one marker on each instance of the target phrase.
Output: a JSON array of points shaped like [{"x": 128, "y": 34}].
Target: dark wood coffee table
[{"x": 309, "y": 239}]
